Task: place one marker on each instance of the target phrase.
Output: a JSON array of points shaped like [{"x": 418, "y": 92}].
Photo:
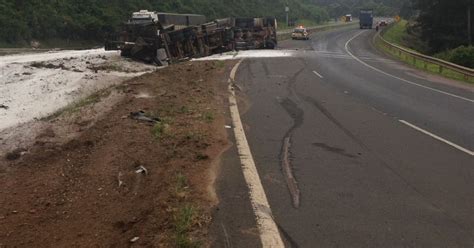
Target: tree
[{"x": 443, "y": 23}]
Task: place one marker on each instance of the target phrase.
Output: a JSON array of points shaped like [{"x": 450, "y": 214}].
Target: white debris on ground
[
  {"x": 250, "y": 54},
  {"x": 36, "y": 85}
]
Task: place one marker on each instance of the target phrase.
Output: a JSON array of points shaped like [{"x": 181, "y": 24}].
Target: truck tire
[
  {"x": 270, "y": 45},
  {"x": 125, "y": 53}
]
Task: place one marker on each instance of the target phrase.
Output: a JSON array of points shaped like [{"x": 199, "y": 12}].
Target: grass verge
[
  {"x": 395, "y": 35},
  {"x": 76, "y": 106},
  {"x": 185, "y": 217}
]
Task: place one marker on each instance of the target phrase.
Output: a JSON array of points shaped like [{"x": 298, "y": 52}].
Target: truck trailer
[
  {"x": 366, "y": 18},
  {"x": 164, "y": 38}
]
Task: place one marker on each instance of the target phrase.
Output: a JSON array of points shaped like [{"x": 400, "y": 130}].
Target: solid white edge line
[
  {"x": 268, "y": 229},
  {"x": 438, "y": 138},
  {"x": 317, "y": 74},
  {"x": 401, "y": 79}
]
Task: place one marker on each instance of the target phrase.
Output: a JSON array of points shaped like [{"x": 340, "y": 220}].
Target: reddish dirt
[{"x": 86, "y": 192}]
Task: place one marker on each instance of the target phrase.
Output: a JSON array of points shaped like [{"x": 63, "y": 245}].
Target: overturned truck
[{"x": 164, "y": 38}]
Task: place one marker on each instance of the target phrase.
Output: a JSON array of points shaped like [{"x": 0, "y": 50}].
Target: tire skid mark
[
  {"x": 326, "y": 113},
  {"x": 332, "y": 149},
  {"x": 297, "y": 115}
]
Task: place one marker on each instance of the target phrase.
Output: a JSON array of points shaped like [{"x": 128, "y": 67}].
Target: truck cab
[{"x": 144, "y": 16}]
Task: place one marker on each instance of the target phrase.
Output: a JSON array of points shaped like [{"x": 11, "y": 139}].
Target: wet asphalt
[{"x": 364, "y": 179}]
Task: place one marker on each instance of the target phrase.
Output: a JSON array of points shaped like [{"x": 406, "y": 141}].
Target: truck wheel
[
  {"x": 270, "y": 45},
  {"x": 125, "y": 53}
]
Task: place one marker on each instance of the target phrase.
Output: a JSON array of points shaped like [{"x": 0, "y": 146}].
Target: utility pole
[{"x": 287, "y": 10}]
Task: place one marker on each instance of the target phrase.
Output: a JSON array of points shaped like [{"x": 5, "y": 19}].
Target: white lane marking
[
  {"x": 269, "y": 234},
  {"x": 438, "y": 138},
  {"x": 317, "y": 74},
  {"x": 401, "y": 79}
]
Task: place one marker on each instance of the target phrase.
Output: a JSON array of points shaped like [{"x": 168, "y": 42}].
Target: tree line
[
  {"x": 24, "y": 20},
  {"x": 443, "y": 24}
]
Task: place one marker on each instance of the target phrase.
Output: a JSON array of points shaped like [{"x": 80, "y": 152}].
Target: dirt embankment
[{"x": 121, "y": 180}]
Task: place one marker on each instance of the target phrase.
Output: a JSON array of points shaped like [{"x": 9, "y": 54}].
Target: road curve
[{"x": 348, "y": 123}]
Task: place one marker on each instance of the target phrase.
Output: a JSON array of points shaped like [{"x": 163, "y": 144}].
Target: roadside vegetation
[
  {"x": 76, "y": 24},
  {"x": 402, "y": 33},
  {"x": 429, "y": 28},
  {"x": 436, "y": 32},
  {"x": 463, "y": 55}
]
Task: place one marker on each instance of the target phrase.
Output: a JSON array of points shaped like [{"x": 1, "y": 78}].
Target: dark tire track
[
  {"x": 285, "y": 156},
  {"x": 297, "y": 114},
  {"x": 326, "y": 113}
]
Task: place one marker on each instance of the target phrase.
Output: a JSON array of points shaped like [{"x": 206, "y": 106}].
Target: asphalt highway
[{"x": 380, "y": 153}]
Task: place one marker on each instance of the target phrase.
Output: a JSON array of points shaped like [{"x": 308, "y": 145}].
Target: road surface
[{"x": 380, "y": 153}]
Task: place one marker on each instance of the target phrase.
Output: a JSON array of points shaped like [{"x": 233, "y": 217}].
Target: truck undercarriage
[{"x": 149, "y": 40}]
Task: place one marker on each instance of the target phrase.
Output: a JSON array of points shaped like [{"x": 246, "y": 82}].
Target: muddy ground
[{"x": 96, "y": 177}]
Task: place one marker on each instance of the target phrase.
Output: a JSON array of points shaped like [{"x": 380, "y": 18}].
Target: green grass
[
  {"x": 184, "y": 110},
  {"x": 396, "y": 33},
  {"x": 159, "y": 130},
  {"x": 425, "y": 66},
  {"x": 208, "y": 117},
  {"x": 183, "y": 221},
  {"x": 220, "y": 64},
  {"x": 185, "y": 217},
  {"x": 181, "y": 183},
  {"x": 76, "y": 106}
]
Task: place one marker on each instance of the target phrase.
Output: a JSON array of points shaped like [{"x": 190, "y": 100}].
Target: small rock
[{"x": 135, "y": 239}]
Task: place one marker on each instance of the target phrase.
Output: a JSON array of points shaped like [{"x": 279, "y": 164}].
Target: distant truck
[
  {"x": 366, "y": 18},
  {"x": 348, "y": 18}
]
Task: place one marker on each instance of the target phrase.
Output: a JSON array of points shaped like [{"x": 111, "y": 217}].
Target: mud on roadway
[{"x": 98, "y": 176}]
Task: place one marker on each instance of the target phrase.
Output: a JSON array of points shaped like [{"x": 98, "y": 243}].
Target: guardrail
[
  {"x": 414, "y": 57},
  {"x": 285, "y": 35}
]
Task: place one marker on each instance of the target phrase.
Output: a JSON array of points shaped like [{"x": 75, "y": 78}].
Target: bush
[{"x": 463, "y": 55}]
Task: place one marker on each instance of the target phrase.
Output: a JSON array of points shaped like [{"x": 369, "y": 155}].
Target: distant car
[
  {"x": 383, "y": 23},
  {"x": 300, "y": 33}
]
